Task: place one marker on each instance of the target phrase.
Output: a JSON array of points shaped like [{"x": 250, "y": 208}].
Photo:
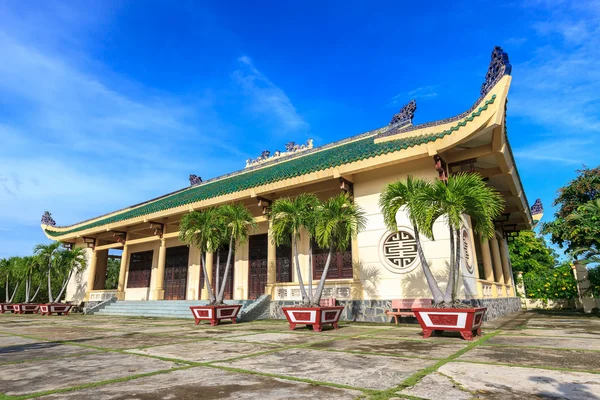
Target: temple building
[{"x": 378, "y": 266}]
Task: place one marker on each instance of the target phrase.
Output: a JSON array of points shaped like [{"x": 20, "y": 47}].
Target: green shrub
[{"x": 556, "y": 283}]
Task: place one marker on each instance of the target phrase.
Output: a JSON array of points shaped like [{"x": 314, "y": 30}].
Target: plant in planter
[
  {"x": 60, "y": 263},
  {"x": 31, "y": 270},
  {"x": 425, "y": 202},
  {"x": 333, "y": 224},
  {"x": 9, "y": 273},
  {"x": 210, "y": 230}
]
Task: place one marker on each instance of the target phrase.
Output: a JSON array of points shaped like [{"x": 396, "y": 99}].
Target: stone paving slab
[
  {"x": 280, "y": 338},
  {"x": 357, "y": 370},
  {"x": 540, "y": 341},
  {"x": 212, "y": 333},
  {"x": 581, "y": 333},
  {"x": 502, "y": 382},
  {"x": 36, "y": 350},
  {"x": 391, "y": 346},
  {"x": 209, "y": 384},
  {"x": 45, "y": 375},
  {"x": 417, "y": 334},
  {"x": 437, "y": 386},
  {"x": 15, "y": 340},
  {"x": 205, "y": 350},
  {"x": 342, "y": 331},
  {"x": 571, "y": 359},
  {"x": 133, "y": 340},
  {"x": 65, "y": 333}
]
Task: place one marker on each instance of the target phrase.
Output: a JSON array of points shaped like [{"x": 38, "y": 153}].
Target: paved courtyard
[{"x": 524, "y": 356}]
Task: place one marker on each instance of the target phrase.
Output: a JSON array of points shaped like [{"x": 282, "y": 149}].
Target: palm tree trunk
[
  {"x": 14, "y": 292},
  {"x": 305, "y": 299},
  {"x": 6, "y": 292},
  {"x": 438, "y": 296},
  {"x": 321, "y": 286},
  {"x": 50, "y": 299},
  {"x": 450, "y": 286},
  {"x": 211, "y": 295},
  {"x": 224, "y": 283},
  {"x": 310, "y": 275},
  {"x": 217, "y": 273},
  {"x": 36, "y": 293},
  {"x": 27, "y": 287},
  {"x": 64, "y": 286},
  {"x": 457, "y": 272}
]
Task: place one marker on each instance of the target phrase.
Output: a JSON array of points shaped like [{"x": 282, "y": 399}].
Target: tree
[
  {"x": 237, "y": 222},
  {"x": 289, "y": 216},
  {"x": 67, "y": 262},
  {"x": 584, "y": 188},
  {"x": 584, "y": 223},
  {"x": 425, "y": 202},
  {"x": 47, "y": 255},
  {"x": 112, "y": 273},
  {"x": 530, "y": 253},
  {"x": 337, "y": 221},
  {"x": 10, "y": 271},
  {"x": 32, "y": 271},
  {"x": 204, "y": 230}
]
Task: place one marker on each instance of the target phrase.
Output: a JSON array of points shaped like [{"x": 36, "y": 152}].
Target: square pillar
[
  {"x": 498, "y": 273},
  {"x": 505, "y": 262},
  {"x": 209, "y": 266},
  {"x": 487, "y": 259},
  {"x": 91, "y": 274},
  {"x": 158, "y": 291},
  {"x": 123, "y": 272},
  {"x": 271, "y": 261}
]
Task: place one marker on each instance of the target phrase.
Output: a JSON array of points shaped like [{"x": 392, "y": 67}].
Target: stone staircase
[{"x": 177, "y": 308}]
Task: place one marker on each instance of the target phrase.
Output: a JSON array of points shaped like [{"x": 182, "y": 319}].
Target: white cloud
[
  {"x": 266, "y": 100},
  {"x": 423, "y": 93}
]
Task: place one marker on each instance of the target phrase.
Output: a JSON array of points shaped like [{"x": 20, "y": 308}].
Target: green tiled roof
[{"x": 358, "y": 150}]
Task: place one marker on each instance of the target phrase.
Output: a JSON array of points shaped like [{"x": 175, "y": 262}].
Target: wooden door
[
  {"x": 284, "y": 263},
  {"x": 257, "y": 271},
  {"x": 176, "y": 268}
]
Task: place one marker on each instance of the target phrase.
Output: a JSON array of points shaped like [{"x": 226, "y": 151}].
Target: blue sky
[{"x": 107, "y": 104}]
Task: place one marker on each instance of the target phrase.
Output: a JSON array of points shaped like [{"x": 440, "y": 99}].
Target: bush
[
  {"x": 594, "y": 277},
  {"x": 556, "y": 283}
]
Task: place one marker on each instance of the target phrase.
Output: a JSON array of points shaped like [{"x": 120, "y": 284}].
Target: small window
[
  {"x": 140, "y": 268},
  {"x": 340, "y": 266}
]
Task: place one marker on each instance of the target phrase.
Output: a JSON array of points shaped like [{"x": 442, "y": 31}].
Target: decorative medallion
[
  {"x": 399, "y": 251},
  {"x": 47, "y": 219},
  {"x": 466, "y": 249}
]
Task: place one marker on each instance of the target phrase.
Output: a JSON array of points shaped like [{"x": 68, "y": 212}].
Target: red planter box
[
  {"x": 315, "y": 316},
  {"x": 214, "y": 314},
  {"x": 6, "y": 307},
  {"x": 23, "y": 308},
  {"x": 60, "y": 309},
  {"x": 467, "y": 321}
]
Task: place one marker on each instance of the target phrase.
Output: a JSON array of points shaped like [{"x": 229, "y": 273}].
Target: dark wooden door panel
[
  {"x": 257, "y": 271},
  {"x": 176, "y": 269}
]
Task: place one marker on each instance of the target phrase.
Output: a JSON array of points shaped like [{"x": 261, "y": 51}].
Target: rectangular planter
[
  {"x": 60, "y": 309},
  {"x": 6, "y": 307},
  {"x": 23, "y": 308},
  {"x": 214, "y": 314},
  {"x": 467, "y": 321},
  {"x": 315, "y": 316}
]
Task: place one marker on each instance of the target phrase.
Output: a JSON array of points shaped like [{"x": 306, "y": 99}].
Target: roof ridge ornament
[
  {"x": 195, "y": 180},
  {"x": 405, "y": 114},
  {"x": 47, "y": 219},
  {"x": 290, "y": 148},
  {"x": 499, "y": 66},
  {"x": 537, "y": 210}
]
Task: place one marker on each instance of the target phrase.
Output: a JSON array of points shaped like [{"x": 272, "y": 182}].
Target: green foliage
[
  {"x": 337, "y": 221},
  {"x": 112, "y": 273},
  {"x": 556, "y": 283},
  {"x": 594, "y": 277},
  {"x": 581, "y": 190},
  {"x": 529, "y": 252}
]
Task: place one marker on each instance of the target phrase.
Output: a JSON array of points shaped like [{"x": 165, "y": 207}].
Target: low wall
[
  {"x": 555, "y": 304},
  {"x": 374, "y": 310}
]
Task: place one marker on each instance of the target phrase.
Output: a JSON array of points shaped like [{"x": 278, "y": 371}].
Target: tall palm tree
[
  {"x": 463, "y": 194},
  {"x": 203, "y": 229},
  {"x": 70, "y": 261},
  {"x": 237, "y": 221},
  {"x": 31, "y": 270},
  {"x": 425, "y": 202},
  {"x": 289, "y": 217},
  {"x": 10, "y": 272},
  {"x": 410, "y": 196},
  {"x": 47, "y": 254},
  {"x": 337, "y": 221}
]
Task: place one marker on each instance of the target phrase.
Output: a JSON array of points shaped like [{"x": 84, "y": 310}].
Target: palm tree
[
  {"x": 289, "y": 217},
  {"x": 69, "y": 261},
  {"x": 462, "y": 194},
  {"x": 338, "y": 220},
  {"x": 47, "y": 254},
  {"x": 238, "y": 221},
  {"x": 9, "y": 269},
  {"x": 203, "y": 229},
  {"x": 31, "y": 270},
  {"x": 425, "y": 202},
  {"x": 410, "y": 196}
]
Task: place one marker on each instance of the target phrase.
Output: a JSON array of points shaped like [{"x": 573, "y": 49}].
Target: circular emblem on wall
[
  {"x": 399, "y": 251},
  {"x": 466, "y": 249}
]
